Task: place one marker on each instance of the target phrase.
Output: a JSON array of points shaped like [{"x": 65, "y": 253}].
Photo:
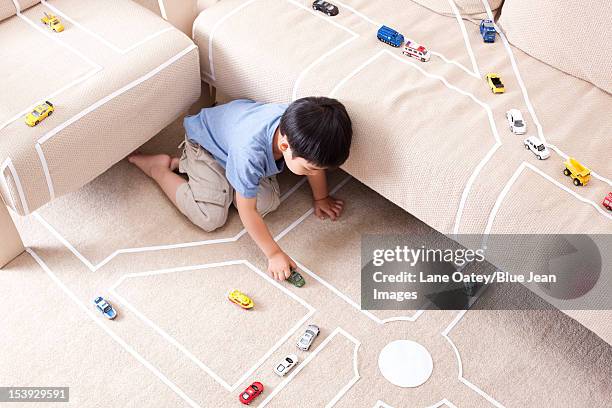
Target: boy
[{"x": 241, "y": 146}]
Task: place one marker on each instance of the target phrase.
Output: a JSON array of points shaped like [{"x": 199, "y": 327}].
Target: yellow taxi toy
[
  {"x": 39, "y": 113},
  {"x": 495, "y": 83},
  {"x": 239, "y": 298},
  {"x": 53, "y": 23}
]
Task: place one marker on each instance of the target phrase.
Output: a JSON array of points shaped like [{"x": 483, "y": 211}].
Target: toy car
[
  {"x": 306, "y": 339},
  {"x": 53, "y": 23},
  {"x": 495, "y": 83},
  {"x": 607, "y": 201},
  {"x": 296, "y": 278},
  {"x": 537, "y": 147},
  {"x": 39, "y": 113},
  {"x": 105, "y": 307},
  {"x": 415, "y": 50},
  {"x": 390, "y": 36},
  {"x": 239, "y": 298},
  {"x": 516, "y": 122},
  {"x": 286, "y": 365},
  {"x": 487, "y": 31},
  {"x": 580, "y": 174},
  {"x": 247, "y": 396},
  {"x": 325, "y": 7}
]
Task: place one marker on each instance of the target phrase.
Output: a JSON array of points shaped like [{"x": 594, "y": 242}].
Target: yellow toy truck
[
  {"x": 580, "y": 174},
  {"x": 53, "y": 23}
]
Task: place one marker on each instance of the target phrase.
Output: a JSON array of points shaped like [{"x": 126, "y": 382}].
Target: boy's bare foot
[
  {"x": 146, "y": 162},
  {"x": 174, "y": 163}
]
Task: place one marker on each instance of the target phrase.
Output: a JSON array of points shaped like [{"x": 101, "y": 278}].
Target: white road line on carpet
[
  {"x": 110, "y": 332},
  {"x": 222, "y": 20},
  {"x": 45, "y": 166},
  {"x": 528, "y": 103},
  {"x": 479, "y": 391},
  {"x": 310, "y": 357},
  {"x": 466, "y": 39},
  {"x": 486, "y": 107},
  {"x": 183, "y": 349},
  {"x": 106, "y": 260},
  {"x": 524, "y": 165},
  {"x": 104, "y": 40},
  {"x": 381, "y": 404},
  {"x": 351, "y": 302},
  {"x": 443, "y": 402},
  {"x": 8, "y": 163}
]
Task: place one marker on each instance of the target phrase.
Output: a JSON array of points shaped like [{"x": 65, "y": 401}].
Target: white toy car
[
  {"x": 306, "y": 339},
  {"x": 516, "y": 122},
  {"x": 537, "y": 147},
  {"x": 106, "y": 308},
  {"x": 286, "y": 365},
  {"x": 414, "y": 50}
]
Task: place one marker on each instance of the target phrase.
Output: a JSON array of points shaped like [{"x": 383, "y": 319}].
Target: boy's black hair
[{"x": 319, "y": 130}]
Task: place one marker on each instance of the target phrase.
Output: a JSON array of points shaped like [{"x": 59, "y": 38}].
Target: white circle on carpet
[{"x": 405, "y": 363}]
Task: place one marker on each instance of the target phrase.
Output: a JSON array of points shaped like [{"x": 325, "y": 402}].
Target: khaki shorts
[{"x": 206, "y": 197}]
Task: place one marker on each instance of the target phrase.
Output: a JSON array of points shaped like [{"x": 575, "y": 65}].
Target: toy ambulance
[
  {"x": 53, "y": 23},
  {"x": 415, "y": 50},
  {"x": 574, "y": 169}
]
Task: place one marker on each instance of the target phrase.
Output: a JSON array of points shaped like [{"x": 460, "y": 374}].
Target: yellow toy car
[
  {"x": 39, "y": 113},
  {"x": 239, "y": 298},
  {"x": 580, "y": 174},
  {"x": 495, "y": 83},
  {"x": 53, "y": 23}
]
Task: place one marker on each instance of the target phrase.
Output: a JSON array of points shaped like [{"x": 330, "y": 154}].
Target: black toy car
[{"x": 325, "y": 7}]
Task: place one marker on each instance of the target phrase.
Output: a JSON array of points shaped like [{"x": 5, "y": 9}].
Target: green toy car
[{"x": 296, "y": 279}]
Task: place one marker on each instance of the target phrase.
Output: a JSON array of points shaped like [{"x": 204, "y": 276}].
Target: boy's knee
[{"x": 211, "y": 220}]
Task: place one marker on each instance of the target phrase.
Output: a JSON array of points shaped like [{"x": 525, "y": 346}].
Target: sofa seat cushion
[
  {"x": 116, "y": 76},
  {"x": 429, "y": 136}
]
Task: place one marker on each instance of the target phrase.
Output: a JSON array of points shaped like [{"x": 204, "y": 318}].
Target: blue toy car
[
  {"x": 105, "y": 307},
  {"x": 487, "y": 31},
  {"x": 390, "y": 36}
]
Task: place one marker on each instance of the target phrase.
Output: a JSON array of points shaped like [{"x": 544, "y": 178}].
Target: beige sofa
[
  {"x": 431, "y": 137},
  {"x": 116, "y": 75}
]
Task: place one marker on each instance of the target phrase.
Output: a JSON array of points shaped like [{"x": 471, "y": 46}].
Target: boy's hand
[
  {"x": 328, "y": 207},
  {"x": 279, "y": 266}
]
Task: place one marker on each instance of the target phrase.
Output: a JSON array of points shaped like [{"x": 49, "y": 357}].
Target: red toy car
[
  {"x": 607, "y": 201},
  {"x": 252, "y": 391}
]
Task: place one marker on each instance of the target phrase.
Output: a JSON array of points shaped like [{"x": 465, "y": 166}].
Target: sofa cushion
[
  {"x": 473, "y": 8},
  {"x": 116, "y": 75},
  {"x": 7, "y": 9},
  {"x": 571, "y": 36}
]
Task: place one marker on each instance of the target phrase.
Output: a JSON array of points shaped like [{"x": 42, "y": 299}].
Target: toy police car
[
  {"x": 105, "y": 307},
  {"x": 306, "y": 339}
]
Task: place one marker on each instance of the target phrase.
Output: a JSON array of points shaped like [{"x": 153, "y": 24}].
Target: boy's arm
[
  {"x": 279, "y": 263},
  {"x": 324, "y": 205}
]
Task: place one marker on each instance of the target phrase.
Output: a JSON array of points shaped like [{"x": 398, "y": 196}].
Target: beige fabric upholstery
[
  {"x": 423, "y": 131},
  {"x": 571, "y": 36},
  {"x": 7, "y": 9},
  {"x": 118, "y": 75},
  {"x": 25, "y": 4},
  {"x": 466, "y": 7}
]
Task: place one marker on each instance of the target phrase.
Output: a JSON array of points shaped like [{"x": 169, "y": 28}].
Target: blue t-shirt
[{"x": 239, "y": 136}]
